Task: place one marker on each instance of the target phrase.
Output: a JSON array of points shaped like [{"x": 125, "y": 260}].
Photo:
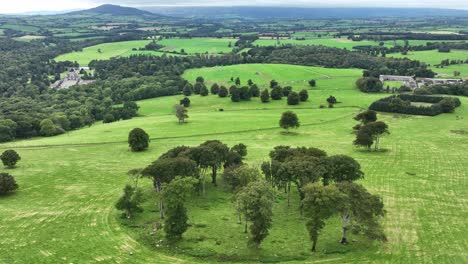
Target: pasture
[
  {"x": 64, "y": 210},
  {"x": 102, "y": 51},
  {"x": 342, "y": 43},
  {"x": 198, "y": 45}
]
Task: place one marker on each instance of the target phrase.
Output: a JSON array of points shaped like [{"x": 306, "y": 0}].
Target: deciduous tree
[
  {"x": 289, "y": 120},
  {"x": 138, "y": 140},
  {"x": 10, "y": 158}
]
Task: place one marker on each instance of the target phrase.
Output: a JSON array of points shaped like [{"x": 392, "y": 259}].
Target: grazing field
[
  {"x": 64, "y": 210},
  {"x": 198, "y": 45},
  {"x": 262, "y": 74},
  {"x": 102, "y": 51},
  {"x": 330, "y": 42},
  {"x": 433, "y": 57}
]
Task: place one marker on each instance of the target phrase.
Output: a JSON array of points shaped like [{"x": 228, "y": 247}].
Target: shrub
[
  {"x": 138, "y": 140},
  {"x": 223, "y": 92},
  {"x": 293, "y": 98},
  {"x": 276, "y": 93},
  {"x": 265, "y": 96},
  {"x": 10, "y": 158},
  {"x": 185, "y": 102},
  {"x": 7, "y": 183},
  {"x": 369, "y": 85},
  {"x": 303, "y": 95},
  {"x": 108, "y": 118}
]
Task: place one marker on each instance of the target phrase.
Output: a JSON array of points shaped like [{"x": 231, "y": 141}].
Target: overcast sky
[{"x": 19, "y": 6}]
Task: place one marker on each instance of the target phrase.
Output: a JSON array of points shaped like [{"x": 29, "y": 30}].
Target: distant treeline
[
  {"x": 382, "y": 36},
  {"x": 450, "y": 89}
]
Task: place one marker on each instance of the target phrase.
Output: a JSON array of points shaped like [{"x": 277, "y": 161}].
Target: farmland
[
  {"x": 198, "y": 45},
  {"x": 75, "y": 183}
]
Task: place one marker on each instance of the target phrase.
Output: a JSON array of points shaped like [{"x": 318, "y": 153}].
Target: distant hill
[
  {"x": 303, "y": 12},
  {"x": 114, "y": 10}
]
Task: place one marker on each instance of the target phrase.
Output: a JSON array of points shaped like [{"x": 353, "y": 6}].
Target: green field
[
  {"x": 262, "y": 74},
  {"x": 63, "y": 211},
  {"x": 433, "y": 57},
  {"x": 102, "y": 51},
  {"x": 330, "y": 42},
  {"x": 198, "y": 45}
]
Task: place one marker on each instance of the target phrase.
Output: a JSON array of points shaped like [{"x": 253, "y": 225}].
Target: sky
[{"x": 20, "y": 6}]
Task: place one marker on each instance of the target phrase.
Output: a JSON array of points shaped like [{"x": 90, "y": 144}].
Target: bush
[
  {"x": 276, "y": 93},
  {"x": 312, "y": 83},
  {"x": 303, "y": 95},
  {"x": 265, "y": 96},
  {"x": 287, "y": 90},
  {"x": 138, "y": 140},
  {"x": 7, "y": 183},
  {"x": 10, "y": 158},
  {"x": 369, "y": 85},
  {"x": 185, "y": 102},
  {"x": 223, "y": 92},
  {"x": 293, "y": 98},
  {"x": 108, "y": 118}
]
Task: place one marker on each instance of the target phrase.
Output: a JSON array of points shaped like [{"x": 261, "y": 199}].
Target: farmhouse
[
  {"x": 73, "y": 78},
  {"x": 406, "y": 80}
]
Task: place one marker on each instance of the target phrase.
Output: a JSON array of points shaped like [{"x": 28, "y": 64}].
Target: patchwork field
[
  {"x": 64, "y": 210},
  {"x": 330, "y": 42}
]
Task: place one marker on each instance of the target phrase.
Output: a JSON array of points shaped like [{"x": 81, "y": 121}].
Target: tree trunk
[
  {"x": 245, "y": 227},
  {"x": 289, "y": 192},
  {"x": 239, "y": 217},
  {"x": 161, "y": 206},
  {"x": 345, "y": 220},
  {"x": 314, "y": 245},
  {"x": 213, "y": 175},
  {"x": 377, "y": 140}
]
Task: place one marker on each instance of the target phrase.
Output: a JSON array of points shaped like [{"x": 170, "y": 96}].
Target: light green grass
[
  {"x": 330, "y": 42},
  {"x": 198, "y": 45},
  {"x": 433, "y": 57},
  {"x": 262, "y": 74},
  {"x": 108, "y": 50},
  {"x": 63, "y": 211}
]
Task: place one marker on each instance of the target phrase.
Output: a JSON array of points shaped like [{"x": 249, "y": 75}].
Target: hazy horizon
[{"x": 25, "y": 6}]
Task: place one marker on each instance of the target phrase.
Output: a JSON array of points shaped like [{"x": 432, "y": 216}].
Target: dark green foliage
[
  {"x": 366, "y": 117},
  {"x": 188, "y": 89},
  {"x": 256, "y": 202},
  {"x": 293, "y": 98},
  {"x": 402, "y": 104},
  {"x": 197, "y": 87},
  {"x": 312, "y": 83},
  {"x": 185, "y": 102},
  {"x": 254, "y": 90},
  {"x": 223, "y": 92},
  {"x": 200, "y": 79},
  {"x": 7, "y": 183},
  {"x": 138, "y": 140},
  {"x": 320, "y": 203},
  {"x": 276, "y": 93},
  {"x": 303, "y": 95},
  {"x": 108, "y": 118},
  {"x": 232, "y": 89},
  {"x": 214, "y": 88},
  {"x": 237, "y": 177},
  {"x": 289, "y": 120},
  {"x": 451, "y": 89},
  {"x": 369, "y": 85},
  {"x": 10, "y": 158},
  {"x": 287, "y": 90},
  {"x": 370, "y": 132},
  {"x": 130, "y": 201},
  {"x": 244, "y": 93},
  {"x": 48, "y": 128},
  {"x": 342, "y": 168},
  {"x": 174, "y": 195},
  {"x": 235, "y": 95},
  {"x": 273, "y": 84},
  {"x": 238, "y": 82},
  {"x": 203, "y": 90},
  {"x": 331, "y": 100},
  {"x": 265, "y": 96},
  {"x": 241, "y": 149},
  {"x": 447, "y": 105},
  {"x": 6, "y": 133},
  {"x": 233, "y": 158}
]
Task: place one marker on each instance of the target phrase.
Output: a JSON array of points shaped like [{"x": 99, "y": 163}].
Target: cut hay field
[
  {"x": 64, "y": 212},
  {"x": 198, "y": 45}
]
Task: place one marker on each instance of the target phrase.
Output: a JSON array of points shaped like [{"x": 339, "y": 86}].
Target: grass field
[
  {"x": 262, "y": 74},
  {"x": 63, "y": 211},
  {"x": 330, "y": 42},
  {"x": 434, "y": 57},
  {"x": 198, "y": 45},
  {"x": 102, "y": 51}
]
